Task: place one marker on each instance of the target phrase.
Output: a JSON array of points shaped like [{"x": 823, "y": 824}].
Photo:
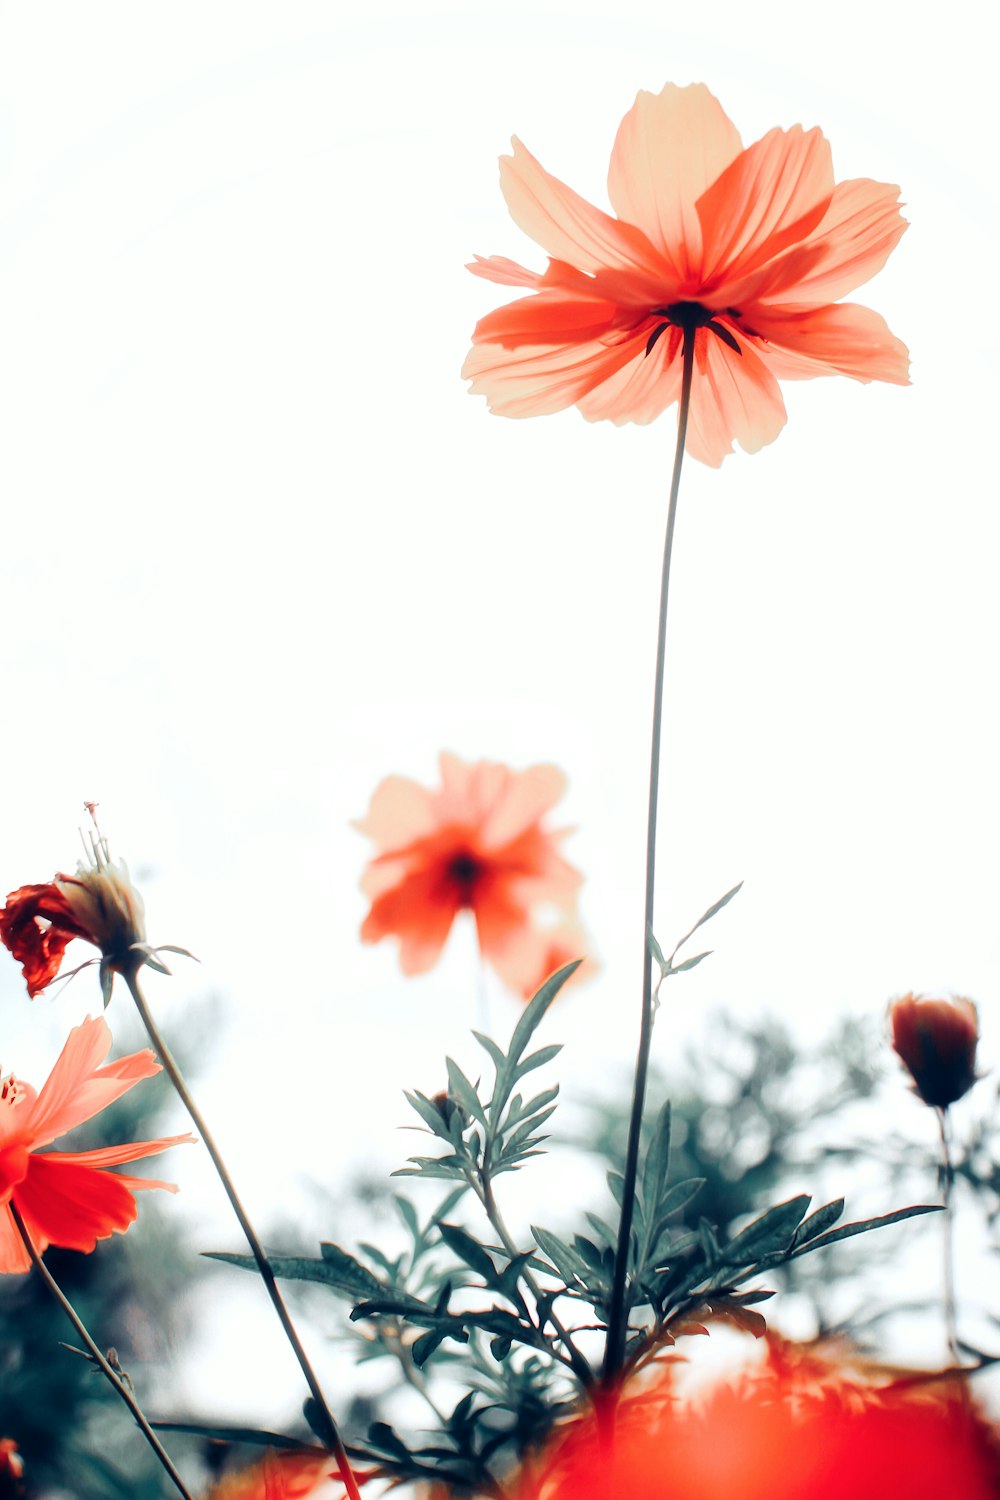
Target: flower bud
[{"x": 937, "y": 1040}]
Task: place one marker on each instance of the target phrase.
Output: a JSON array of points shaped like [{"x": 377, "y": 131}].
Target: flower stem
[
  {"x": 614, "y": 1356},
  {"x": 332, "y": 1437},
  {"x": 118, "y": 1385},
  {"x": 947, "y": 1179}
]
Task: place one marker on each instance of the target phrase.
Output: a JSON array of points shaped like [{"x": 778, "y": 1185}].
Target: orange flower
[
  {"x": 774, "y": 1439},
  {"x": 937, "y": 1040},
  {"x": 68, "y": 1198},
  {"x": 99, "y": 904},
  {"x": 478, "y": 843},
  {"x": 284, "y": 1476},
  {"x": 752, "y": 248}
]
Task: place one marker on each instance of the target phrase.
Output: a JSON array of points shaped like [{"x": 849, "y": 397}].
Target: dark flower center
[
  {"x": 464, "y": 869},
  {"x": 689, "y": 316}
]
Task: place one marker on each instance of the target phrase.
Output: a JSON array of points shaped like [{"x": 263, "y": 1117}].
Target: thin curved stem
[
  {"x": 618, "y": 1319},
  {"x": 118, "y": 1385},
  {"x": 572, "y": 1357},
  {"x": 332, "y": 1437},
  {"x": 948, "y": 1178}
]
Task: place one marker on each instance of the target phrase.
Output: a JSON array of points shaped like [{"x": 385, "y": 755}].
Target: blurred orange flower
[
  {"x": 68, "y": 1198},
  {"x": 752, "y": 248},
  {"x": 795, "y": 1434},
  {"x": 99, "y": 904},
  {"x": 478, "y": 842},
  {"x": 11, "y": 1469},
  {"x": 937, "y": 1041},
  {"x": 284, "y": 1476}
]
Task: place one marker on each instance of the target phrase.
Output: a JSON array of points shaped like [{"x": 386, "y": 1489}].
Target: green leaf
[
  {"x": 690, "y": 963},
  {"x": 818, "y": 1222},
  {"x": 712, "y": 910},
  {"x": 426, "y": 1345},
  {"x": 337, "y": 1269},
  {"x": 538, "y": 1059},
  {"x": 862, "y": 1226},
  {"x": 354, "y": 1277},
  {"x": 571, "y": 1267},
  {"x": 529, "y": 1021},
  {"x": 255, "y": 1436},
  {"x": 656, "y": 951},
  {"x": 769, "y": 1234},
  {"x": 462, "y": 1092},
  {"x": 470, "y": 1251},
  {"x": 654, "y": 1170}
]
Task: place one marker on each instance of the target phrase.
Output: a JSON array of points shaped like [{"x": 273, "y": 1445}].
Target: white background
[{"x": 260, "y": 549}]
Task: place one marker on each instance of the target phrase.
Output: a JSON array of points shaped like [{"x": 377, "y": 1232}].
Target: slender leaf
[
  {"x": 862, "y": 1226},
  {"x": 470, "y": 1251},
  {"x": 824, "y": 1218},
  {"x": 769, "y": 1234}
]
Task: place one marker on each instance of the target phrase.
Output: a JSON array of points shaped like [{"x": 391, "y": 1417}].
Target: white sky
[{"x": 260, "y": 548}]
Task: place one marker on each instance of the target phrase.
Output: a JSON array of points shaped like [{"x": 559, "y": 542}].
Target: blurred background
[{"x": 261, "y": 549}]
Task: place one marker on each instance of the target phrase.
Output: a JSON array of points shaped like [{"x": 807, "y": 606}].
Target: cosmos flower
[
  {"x": 797, "y": 1433},
  {"x": 750, "y": 250},
  {"x": 479, "y": 843},
  {"x": 99, "y": 904},
  {"x": 69, "y": 1198},
  {"x": 937, "y": 1041},
  {"x": 284, "y": 1476},
  {"x": 11, "y": 1469}
]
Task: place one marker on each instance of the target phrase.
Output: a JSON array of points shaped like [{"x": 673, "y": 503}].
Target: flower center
[
  {"x": 690, "y": 316},
  {"x": 464, "y": 869}
]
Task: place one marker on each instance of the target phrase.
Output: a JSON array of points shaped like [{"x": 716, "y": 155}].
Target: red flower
[
  {"x": 776, "y": 1438},
  {"x": 99, "y": 904},
  {"x": 478, "y": 843},
  {"x": 285, "y": 1476},
  {"x": 11, "y": 1469},
  {"x": 752, "y": 248},
  {"x": 937, "y": 1040},
  {"x": 69, "y": 1198}
]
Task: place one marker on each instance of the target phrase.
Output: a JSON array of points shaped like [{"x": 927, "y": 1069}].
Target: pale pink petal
[
  {"x": 570, "y": 228},
  {"x": 533, "y": 381},
  {"x": 508, "y": 273},
  {"x": 642, "y": 389},
  {"x": 853, "y": 240},
  {"x": 732, "y": 397},
  {"x": 400, "y": 812},
  {"x": 526, "y": 797},
  {"x": 488, "y": 783},
  {"x": 78, "y": 1087},
  {"x": 845, "y": 339},
  {"x": 768, "y": 199},
  {"x": 669, "y": 149}
]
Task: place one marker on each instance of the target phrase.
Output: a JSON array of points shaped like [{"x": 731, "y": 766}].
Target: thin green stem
[
  {"x": 572, "y": 1357},
  {"x": 947, "y": 1181},
  {"x": 332, "y": 1436},
  {"x": 102, "y": 1364},
  {"x": 614, "y": 1356}
]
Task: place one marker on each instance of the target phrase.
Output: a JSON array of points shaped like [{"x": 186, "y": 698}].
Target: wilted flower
[
  {"x": 937, "y": 1040},
  {"x": 749, "y": 250},
  {"x": 796, "y": 1435},
  {"x": 69, "y": 1198},
  {"x": 284, "y": 1476},
  {"x": 99, "y": 904},
  {"x": 479, "y": 843}
]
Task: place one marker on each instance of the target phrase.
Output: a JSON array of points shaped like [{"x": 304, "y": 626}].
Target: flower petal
[
  {"x": 420, "y": 912},
  {"x": 14, "y": 1259},
  {"x": 39, "y": 950},
  {"x": 549, "y": 317},
  {"x": 669, "y": 149},
  {"x": 642, "y": 389},
  {"x": 536, "y": 380},
  {"x": 114, "y": 1156},
  {"x": 852, "y": 241},
  {"x": 78, "y": 1087},
  {"x": 570, "y": 228},
  {"x": 72, "y": 1206},
  {"x": 768, "y": 199},
  {"x": 527, "y": 795},
  {"x": 732, "y": 397},
  {"x": 845, "y": 339},
  {"x": 400, "y": 811}
]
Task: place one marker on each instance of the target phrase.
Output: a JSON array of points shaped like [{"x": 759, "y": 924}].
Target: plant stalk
[
  {"x": 332, "y": 1438},
  {"x": 614, "y": 1357},
  {"x": 947, "y": 1181},
  {"x": 119, "y": 1386}
]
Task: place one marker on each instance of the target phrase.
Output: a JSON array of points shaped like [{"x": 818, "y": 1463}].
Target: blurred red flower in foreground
[
  {"x": 284, "y": 1476},
  {"x": 752, "y": 248},
  {"x": 783, "y": 1437},
  {"x": 937, "y": 1041},
  {"x": 68, "y": 1198},
  {"x": 99, "y": 904},
  {"x": 11, "y": 1469},
  {"x": 477, "y": 842}
]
